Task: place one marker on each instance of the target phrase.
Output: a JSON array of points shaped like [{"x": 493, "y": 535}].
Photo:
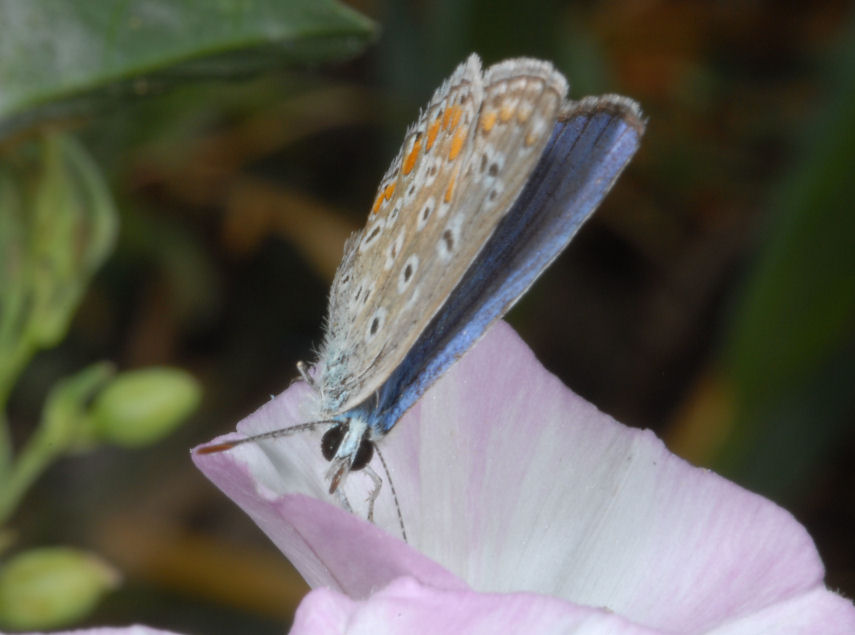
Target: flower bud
[
  {"x": 52, "y": 586},
  {"x": 141, "y": 406}
]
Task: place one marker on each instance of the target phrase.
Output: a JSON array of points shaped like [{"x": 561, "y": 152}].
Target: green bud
[
  {"x": 51, "y": 587},
  {"x": 141, "y": 406}
]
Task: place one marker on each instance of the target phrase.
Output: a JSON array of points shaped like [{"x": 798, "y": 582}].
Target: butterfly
[{"x": 490, "y": 185}]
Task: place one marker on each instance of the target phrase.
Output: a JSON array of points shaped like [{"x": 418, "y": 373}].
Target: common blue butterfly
[{"x": 490, "y": 185}]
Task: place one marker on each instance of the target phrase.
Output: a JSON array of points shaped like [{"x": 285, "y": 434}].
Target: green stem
[
  {"x": 9, "y": 371},
  {"x": 37, "y": 454},
  {"x": 5, "y": 444},
  {"x": 60, "y": 428}
]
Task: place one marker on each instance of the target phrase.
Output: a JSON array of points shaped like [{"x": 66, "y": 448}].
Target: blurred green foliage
[
  {"x": 58, "y": 226},
  {"x": 790, "y": 353},
  {"x": 70, "y": 58},
  {"x": 61, "y": 61}
]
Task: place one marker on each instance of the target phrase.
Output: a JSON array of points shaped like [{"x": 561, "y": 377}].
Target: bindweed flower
[
  {"x": 135, "y": 629},
  {"x": 525, "y": 509}
]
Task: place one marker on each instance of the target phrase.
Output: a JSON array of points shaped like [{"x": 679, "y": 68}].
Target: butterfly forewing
[
  {"x": 591, "y": 143},
  {"x": 356, "y": 336},
  {"x": 436, "y": 207}
]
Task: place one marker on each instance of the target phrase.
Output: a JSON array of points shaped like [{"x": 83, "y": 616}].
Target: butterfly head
[{"x": 347, "y": 446}]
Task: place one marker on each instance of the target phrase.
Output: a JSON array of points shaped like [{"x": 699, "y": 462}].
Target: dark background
[{"x": 710, "y": 298}]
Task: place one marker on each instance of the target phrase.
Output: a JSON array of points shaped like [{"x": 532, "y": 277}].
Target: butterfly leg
[
  {"x": 377, "y": 483},
  {"x": 342, "y": 500},
  {"x": 375, "y": 491}
]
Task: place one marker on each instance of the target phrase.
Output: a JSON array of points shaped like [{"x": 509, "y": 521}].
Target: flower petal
[
  {"x": 135, "y": 629},
  {"x": 816, "y": 611},
  {"x": 524, "y": 486},
  {"x": 511, "y": 482},
  {"x": 274, "y": 482},
  {"x": 405, "y": 606}
]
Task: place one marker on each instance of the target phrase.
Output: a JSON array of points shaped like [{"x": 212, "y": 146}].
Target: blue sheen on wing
[{"x": 590, "y": 145}]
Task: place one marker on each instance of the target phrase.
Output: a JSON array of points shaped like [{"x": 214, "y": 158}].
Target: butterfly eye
[
  {"x": 332, "y": 440},
  {"x": 363, "y": 455}
]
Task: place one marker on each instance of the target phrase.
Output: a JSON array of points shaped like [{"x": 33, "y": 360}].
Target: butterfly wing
[
  {"x": 461, "y": 167},
  {"x": 592, "y": 142}
]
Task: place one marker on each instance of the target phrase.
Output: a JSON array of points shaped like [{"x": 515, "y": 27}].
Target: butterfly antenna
[
  {"x": 213, "y": 448},
  {"x": 394, "y": 493}
]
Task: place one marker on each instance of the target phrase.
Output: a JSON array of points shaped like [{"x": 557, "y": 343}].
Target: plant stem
[{"x": 37, "y": 454}]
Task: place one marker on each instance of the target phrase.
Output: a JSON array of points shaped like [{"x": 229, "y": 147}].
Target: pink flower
[
  {"x": 136, "y": 629},
  {"x": 525, "y": 508}
]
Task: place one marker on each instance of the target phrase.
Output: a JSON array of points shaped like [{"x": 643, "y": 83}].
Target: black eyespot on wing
[
  {"x": 448, "y": 239},
  {"x": 374, "y": 233}
]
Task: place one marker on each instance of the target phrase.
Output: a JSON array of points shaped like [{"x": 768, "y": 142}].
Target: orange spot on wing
[
  {"x": 488, "y": 120},
  {"x": 451, "y": 117},
  {"x": 390, "y": 189},
  {"x": 506, "y": 113},
  {"x": 455, "y": 119},
  {"x": 457, "y": 143},
  {"x": 376, "y": 207},
  {"x": 449, "y": 191},
  {"x": 432, "y": 132},
  {"x": 410, "y": 161}
]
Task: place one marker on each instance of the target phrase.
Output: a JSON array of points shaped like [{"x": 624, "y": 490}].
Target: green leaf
[
  {"x": 72, "y": 232},
  {"x": 57, "y": 225},
  {"x": 65, "y": 57},
  {"x": 51, "y": 587}
]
